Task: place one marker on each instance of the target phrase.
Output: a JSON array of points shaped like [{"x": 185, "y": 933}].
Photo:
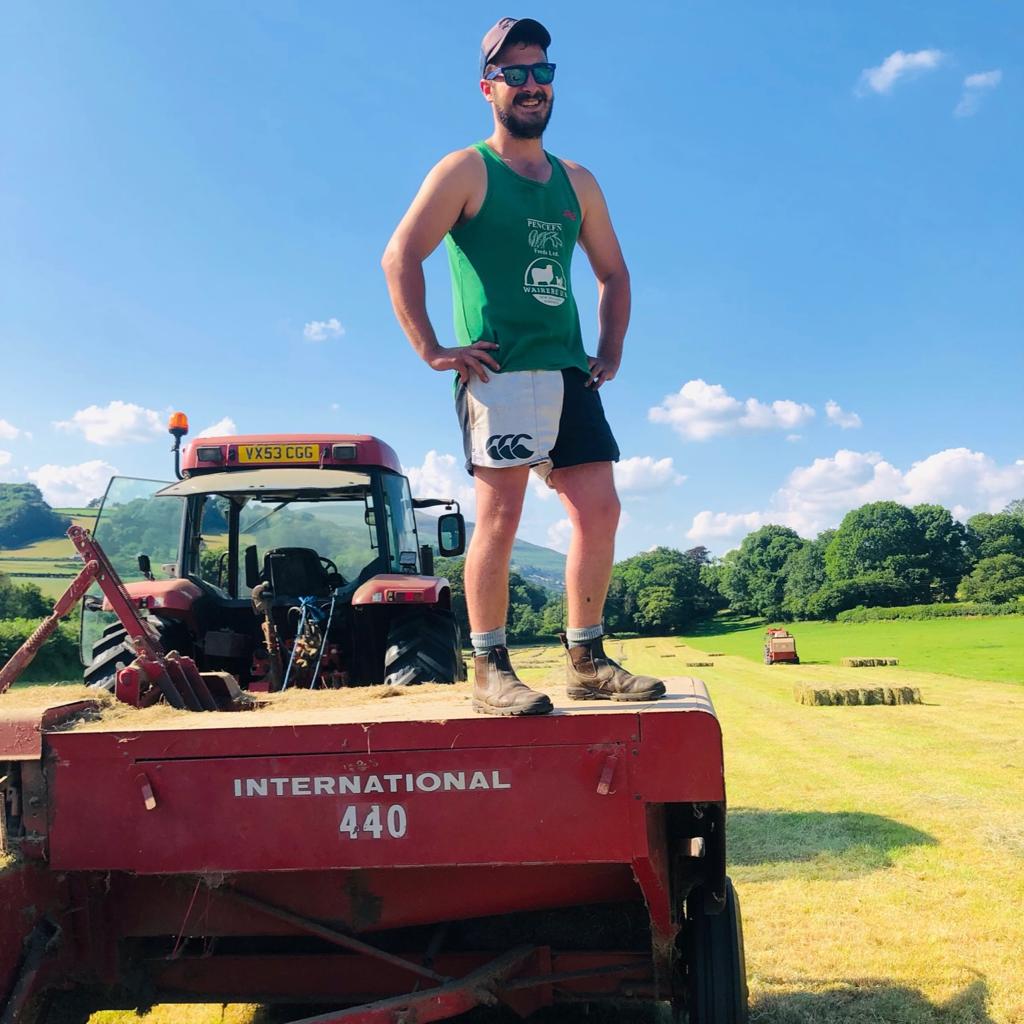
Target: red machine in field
[
  {"x": 398, "y": 860},
  {"x": 780, "y": 647}
]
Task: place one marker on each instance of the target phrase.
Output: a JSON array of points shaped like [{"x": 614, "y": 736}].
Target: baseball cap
[{"x": 512, "y": 30}]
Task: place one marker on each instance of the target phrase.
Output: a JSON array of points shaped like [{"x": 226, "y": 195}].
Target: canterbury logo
[{"x": 508, "y": 446}]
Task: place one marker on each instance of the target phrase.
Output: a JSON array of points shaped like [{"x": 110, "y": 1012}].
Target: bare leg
[
  {"x": 499, "y": 504},
  {"x": 588, "y": 494}
]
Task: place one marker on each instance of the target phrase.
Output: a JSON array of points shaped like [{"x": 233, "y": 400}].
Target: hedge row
[
  {"x": 930, "y": 611},
  {"x": 57, "y": 660}
]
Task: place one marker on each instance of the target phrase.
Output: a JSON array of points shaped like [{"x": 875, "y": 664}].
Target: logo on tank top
[
  {"x": 545, "y": 236},
  {"x": 545, "y": 281},
  {"x": 545, "y": 278}
]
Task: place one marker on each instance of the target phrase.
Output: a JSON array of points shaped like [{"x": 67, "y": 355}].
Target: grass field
[
  {"x": 975, "y": 648},
  {"x": 878, "y": 851},
  {"x": 38, "y": 563}
]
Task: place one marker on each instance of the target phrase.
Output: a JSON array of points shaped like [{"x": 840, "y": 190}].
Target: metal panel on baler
[{"x": 402, "y": 808}]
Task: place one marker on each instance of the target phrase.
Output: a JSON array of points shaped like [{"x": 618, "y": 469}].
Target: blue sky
[{"x": 819, "y": 203}]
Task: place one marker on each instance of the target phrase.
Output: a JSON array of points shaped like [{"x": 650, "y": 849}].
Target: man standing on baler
[{"x": 527, "y": 394}]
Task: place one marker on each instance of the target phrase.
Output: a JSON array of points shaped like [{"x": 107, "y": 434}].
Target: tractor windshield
[
  {"x": 357, "y": 530},
  {"x": 132, "y": 521}
]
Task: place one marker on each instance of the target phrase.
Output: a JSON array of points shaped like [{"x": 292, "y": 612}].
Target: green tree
[
  {"x": 25, "y": 517},
  {"x": 21, "y": 600},
  {"x": 990, "y": 534},
  {"x": 710, "y": 598},
  {"x": 997, "y": 579},
  {"x": 753, "y": 577},
  {"x": 946, "y": 557},
  {"x": 879, "y": 548},
  {"x": 804, "y": 574},
  {"x": 654, "y": 592}
]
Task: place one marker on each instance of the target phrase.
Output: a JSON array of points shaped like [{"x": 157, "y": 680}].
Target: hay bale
[
  {"x": 868, "y": 662},
  {"x": 699, "y": 664},
  {"x": 823, "y": 695},
  {"x": 716, "y": 654}
]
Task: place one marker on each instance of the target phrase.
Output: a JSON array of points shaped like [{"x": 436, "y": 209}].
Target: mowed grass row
[
  {"x": 975, "y": 648},
  {"x": 878, "y": 851}
]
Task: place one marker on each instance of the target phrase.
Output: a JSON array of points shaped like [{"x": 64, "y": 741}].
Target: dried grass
[
  {"x": 31, "y": 698},
  {"x": 834, "y": 696},
  {"x": 699, "y": 664}
]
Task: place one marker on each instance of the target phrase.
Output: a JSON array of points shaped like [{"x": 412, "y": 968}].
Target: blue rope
[
  {"x": 323, "y": 644},
  {"x": 309, "y": 609}
]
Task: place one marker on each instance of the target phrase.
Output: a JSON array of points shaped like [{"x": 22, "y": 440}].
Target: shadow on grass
[
  {"x": 870, "y": 1001},
  {"x": 723, "y": 624},
  {"x": 814, "y": 844}
]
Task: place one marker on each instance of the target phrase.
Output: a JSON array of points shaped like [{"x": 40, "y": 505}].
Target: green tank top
[{"x": 511, "y": 269}]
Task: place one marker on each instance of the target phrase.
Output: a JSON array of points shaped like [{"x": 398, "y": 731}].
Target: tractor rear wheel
[
  {"x": 423, "y": 646},
  {"x": 716, "y": 975},
  {"x": 113, "y": 651}
]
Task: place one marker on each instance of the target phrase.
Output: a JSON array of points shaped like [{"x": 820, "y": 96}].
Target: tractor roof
[
  {"x": 264, "y": 483},
  {"x": 245, "y": 452}
]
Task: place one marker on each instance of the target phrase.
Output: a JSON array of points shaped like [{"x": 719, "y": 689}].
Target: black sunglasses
[{"x": 517, "y": 74}]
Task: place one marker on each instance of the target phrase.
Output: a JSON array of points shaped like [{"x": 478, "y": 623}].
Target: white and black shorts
[{"x": 545, "y": 419}]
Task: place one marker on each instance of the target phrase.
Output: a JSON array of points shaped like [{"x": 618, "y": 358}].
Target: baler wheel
[
  {"x": 423, "y": 647},
  {"x": 716, "y": 974}
]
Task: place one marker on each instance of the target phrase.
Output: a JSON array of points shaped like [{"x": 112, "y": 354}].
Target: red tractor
[
  {"x": 284, "y": 561},
  {"x": 780, "y": 647},
  {"x": 381, "y": 861}
]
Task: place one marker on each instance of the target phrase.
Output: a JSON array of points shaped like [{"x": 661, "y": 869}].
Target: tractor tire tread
[{"x": 423, "y": 646}]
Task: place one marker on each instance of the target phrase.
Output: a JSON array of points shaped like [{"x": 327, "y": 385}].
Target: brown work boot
[
  {"x": 592, "y": 675},
  {"x": 497, "y": 690}
]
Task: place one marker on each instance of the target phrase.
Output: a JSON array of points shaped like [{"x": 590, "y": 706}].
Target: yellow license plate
[{"x": 256, "y": 453}]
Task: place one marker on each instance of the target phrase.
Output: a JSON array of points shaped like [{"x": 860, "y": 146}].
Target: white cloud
[
  {"x": 73, "y": 485},
  {"x": 8, "y": 431},
  {"x": 974, "y": 86},
  {"x": 793, "y": 438},
  {"x": 442, "y": 476},
  {"x": 817, "y": 496},
  {"x": 645, "y": 473},
  {"x": 559, "y": 535},
  {"x": 897, "y": 65},
  {"x": 5, "y": 457},
  {"x": 115, "y": 423},
  {"x": 837, "y": 415},
  {"x": 984, "y": 79},
  {"x": 321, "y": 330},
  {"x": 219, "y": 429},
  {"x": 710, "y": 526},
  {"x": 699, "y": 411}
]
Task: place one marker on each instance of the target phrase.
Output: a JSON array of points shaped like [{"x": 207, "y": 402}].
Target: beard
[{"x": 527, "y": 126}]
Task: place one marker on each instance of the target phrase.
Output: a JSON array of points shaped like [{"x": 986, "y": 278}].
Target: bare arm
[
  {"x": 598, "y": 240},
  {"x": 440, "y": 202}
]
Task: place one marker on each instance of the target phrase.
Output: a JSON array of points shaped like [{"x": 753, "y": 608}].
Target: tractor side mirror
[
  {"x": 144, "y": 566},
  {"x": 252, "y": 567},
  {"x": 451, "y": 534}
]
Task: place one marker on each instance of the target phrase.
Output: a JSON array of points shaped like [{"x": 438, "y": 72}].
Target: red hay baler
[
  {"x": 383, "y": 861},
  {"x": 403, "y": 858}
]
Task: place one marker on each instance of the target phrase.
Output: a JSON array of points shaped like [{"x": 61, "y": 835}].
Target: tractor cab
[{"x": 283, "y": 559}]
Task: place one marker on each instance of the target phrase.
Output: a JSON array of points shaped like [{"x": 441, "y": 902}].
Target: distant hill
[
  {"x": 537, "y": 564},
  {"x": 25, "y": 517}
]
